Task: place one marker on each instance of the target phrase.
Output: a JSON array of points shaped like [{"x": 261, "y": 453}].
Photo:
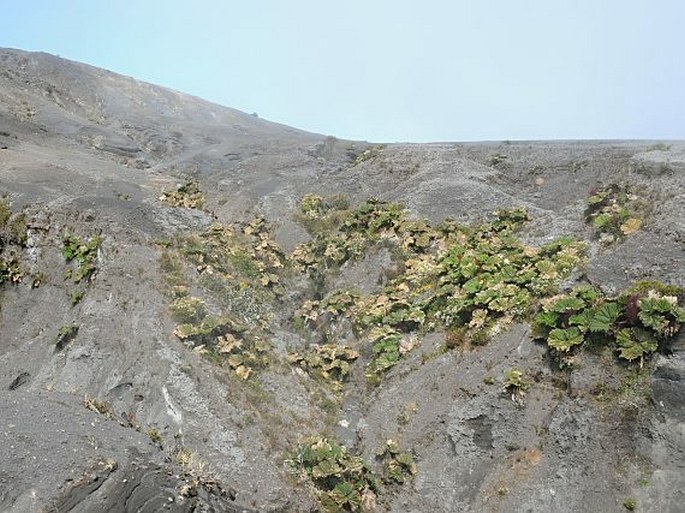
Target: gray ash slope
[{"x": 88, "y": 151}]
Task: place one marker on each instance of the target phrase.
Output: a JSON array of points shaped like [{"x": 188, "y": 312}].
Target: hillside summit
[{"x": 204, "y": 311}]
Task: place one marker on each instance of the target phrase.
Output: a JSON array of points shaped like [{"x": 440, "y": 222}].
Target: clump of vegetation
[
  {"x": 189, "y": 310},
  {"x": 13, "y": 235},
  {"x": 84, "y": 253},
  {"x": 65, "y": 335},
  {"x": 76, "y": 296},
  {"x": 173, "y": 269},
  {"x": 498, "y": 160},
  {"x": 397, "y": 466},
  {"x": 368, "y": 154},
  {"x": 98, "y": 406},
  {"x": 407, "y": 411},
  {"x": 339, "y": 480},
  {"x": 630, "y": 504},
  {"x": 318, "y": 214},
  {"x": 329, "y": 361},
  {"x": 225, "y": 341},
  {"x": 5, "y": 213},
  {"x": 10, "y": 271},
  {"x": 250, "y": 255},
  {"x": 613, "y": 212},
  {"x": 516, "y": 385},
  {"x": 238, "y": 270},
  {"x": 635, "y": 323},
  {"x": 387, "y": 350},
  {"x": 155, "y": 436},
  {"x": 187, "y": 195},
  {"x": 472, "y": 281}
]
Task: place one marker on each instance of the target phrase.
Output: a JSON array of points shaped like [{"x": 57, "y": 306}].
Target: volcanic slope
[{"x": 199, "y": 309}]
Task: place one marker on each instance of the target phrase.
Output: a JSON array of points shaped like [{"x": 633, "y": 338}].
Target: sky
[{"x": 392, "y": 70}]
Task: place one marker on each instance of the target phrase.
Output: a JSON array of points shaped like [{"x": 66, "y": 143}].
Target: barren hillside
[{"x": 203, "y": 311}]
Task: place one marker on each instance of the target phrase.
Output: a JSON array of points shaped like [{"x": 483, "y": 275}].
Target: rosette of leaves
[
  {"x": 393, "y": 309},
  {"x": 397, "y": 466},
  {"x": 328, "y": 251},
  {"x": 386, "y": 350},
  {"x": 612, "y": 212},
  {"x": 243, "y": 355},
  {"x": 187, "y": 195},
  {"x": 309, "y": 312},
  {"x": 417, "y": 236},
  {"x": 84, "y": 253},
  {"x": 653, "y": 316},
  {"x": 637, "y": 321},
  {"x": 226, "y": 341},
  {"x": 341, "y": 481},
  {"x": 568, "y": 320},
  {"x": 340, "y": 302},
  {"x": 10, "y": 271},
  {"x": 516, "y": 385},
  {"x": 330, "y": 361},
  {"x": 635, "y": 343},
  {"x": 661, "y": 314}
]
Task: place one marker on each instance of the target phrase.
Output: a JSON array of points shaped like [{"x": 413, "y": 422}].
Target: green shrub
[
  {"x": 187, "y": 195},
  {"x": 634, "y": 323},
  {"x": 84, "y": 253},
  {"x": 189, "y": 310},
  {"x": 613, "y": 212},
  {"x": 340, "y": 480},
  {"x": 65, "y": 335},
  {"x": 397, "y": 466}
]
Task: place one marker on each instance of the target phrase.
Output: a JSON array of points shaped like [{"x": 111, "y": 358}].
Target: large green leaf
[
  {"x": 603, "y": 318},
  {"x": 346, "y": 496},
  {"x": 567, "y": 304},
  {"x": 564, "y": 339},
  {"x": 635, "y": 343},
  {"x": 543, "y": 321}
]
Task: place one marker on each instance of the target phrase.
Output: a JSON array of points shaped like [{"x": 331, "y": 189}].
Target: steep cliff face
[{"x": 198, "y": 306}]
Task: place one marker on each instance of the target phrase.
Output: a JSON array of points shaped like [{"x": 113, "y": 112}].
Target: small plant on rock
[
  {"x": 397, "y": 466},
  {"x": 613, "y": 212},
  {"x": 516, "y": 385},
  {"x": 84, "y": 253},
  {"x": 65, "y": 335}
]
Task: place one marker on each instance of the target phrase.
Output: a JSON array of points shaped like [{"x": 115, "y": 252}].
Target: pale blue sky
[{"x": 394, "y": 70}]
